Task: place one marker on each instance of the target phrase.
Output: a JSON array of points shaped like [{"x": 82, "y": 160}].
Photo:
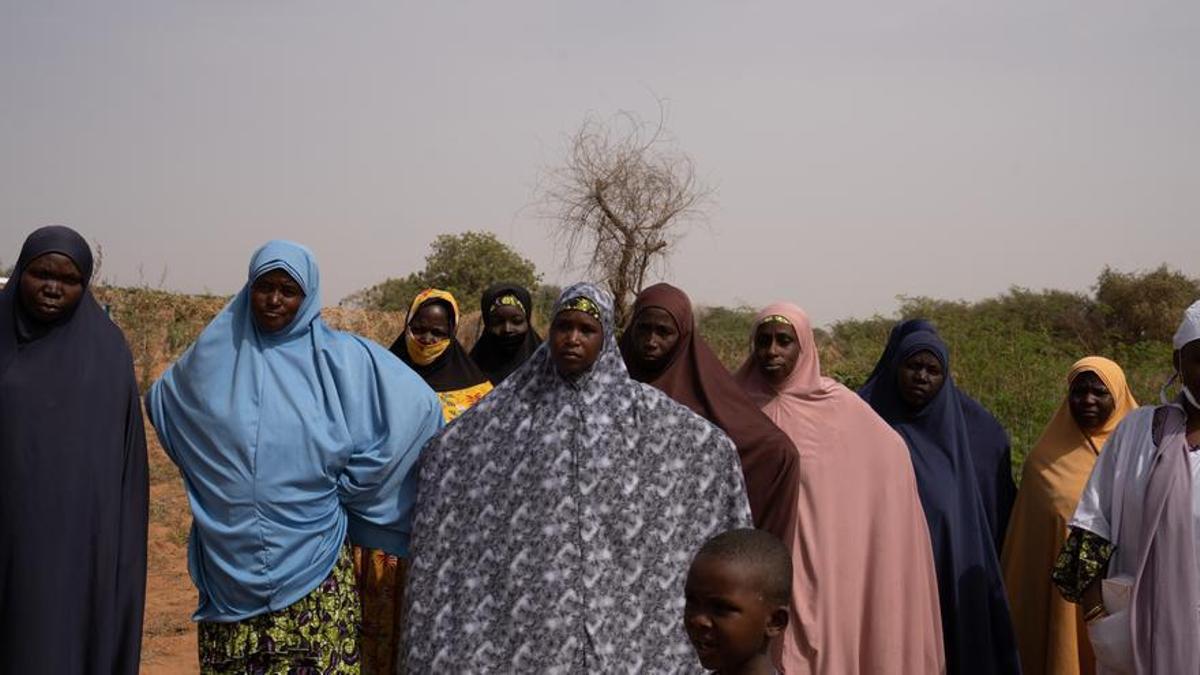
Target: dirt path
[{"x": 168, "y": 634}]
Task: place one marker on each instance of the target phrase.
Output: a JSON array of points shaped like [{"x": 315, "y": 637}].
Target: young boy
[{"x": 737, "y": 595}]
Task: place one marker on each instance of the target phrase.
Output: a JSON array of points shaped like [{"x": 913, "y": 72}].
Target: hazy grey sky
[{"x": 858, "y": 150}]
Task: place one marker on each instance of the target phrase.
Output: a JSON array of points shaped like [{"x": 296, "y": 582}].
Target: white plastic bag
[{"x": 1112, "y": 635}]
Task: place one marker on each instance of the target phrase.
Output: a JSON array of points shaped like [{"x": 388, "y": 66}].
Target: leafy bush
[
  {"x": 727, "y": 331},
  {"x": 464, "y": 264},
  {"x": 1011, "y": 352},
  {"x": 1144, "y": 306}
]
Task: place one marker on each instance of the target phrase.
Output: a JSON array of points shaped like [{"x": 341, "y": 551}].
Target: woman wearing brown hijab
[{"x": 662, "y": 349}]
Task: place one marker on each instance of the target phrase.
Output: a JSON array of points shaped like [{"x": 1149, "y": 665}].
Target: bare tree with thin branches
[{"x": 621, "y": 200}]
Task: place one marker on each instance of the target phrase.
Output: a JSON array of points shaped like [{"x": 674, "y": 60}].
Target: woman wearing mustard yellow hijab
[
  {"x": 1051, "y": 635},
  {"x": 429, "y": 347}
]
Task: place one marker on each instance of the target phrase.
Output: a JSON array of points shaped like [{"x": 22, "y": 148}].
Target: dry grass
[{"x": 160, "y": 326}]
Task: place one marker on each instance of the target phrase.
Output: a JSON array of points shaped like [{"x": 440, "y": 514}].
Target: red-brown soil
[{"x": 168, "y": 634}]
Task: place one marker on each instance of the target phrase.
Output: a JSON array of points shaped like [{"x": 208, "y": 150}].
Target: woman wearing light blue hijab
[{"x": 293, "y": 440}]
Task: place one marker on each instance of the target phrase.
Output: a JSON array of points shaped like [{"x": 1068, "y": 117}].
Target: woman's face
[
  {"x": 51, "y": 286},
  {"x": 1090, "y": 401},
  {"x": 575, "y": 341},
  {"x": 1187, "y": 362},
  {"x": 776, "y": 350},
  {"x": 920, "y": 378},
  {"x": 508, "y": 324},
  {"x": 431, "y": 324},
  {"x": 655, "y": 336},
  {"x": 275, "y": 297}
]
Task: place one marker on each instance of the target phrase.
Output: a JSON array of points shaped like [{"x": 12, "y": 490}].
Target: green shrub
[
  {"x": 463, "y": 264},
  {"x": 1011, "y": 352},
  {"x": 1144, "y": 306}
]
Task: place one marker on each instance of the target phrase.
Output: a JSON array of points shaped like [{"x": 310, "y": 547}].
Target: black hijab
[
  {"x": 957, "y": 450},
  {"x": 74, "y": 489},
  {"x": 496, "y": 357},
  {"x": 453, "y": 370}
]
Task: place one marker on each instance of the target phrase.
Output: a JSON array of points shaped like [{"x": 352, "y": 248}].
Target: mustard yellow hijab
[
  {"x": 445, "y": 365},
  {"x": 1051, "y": 635}
]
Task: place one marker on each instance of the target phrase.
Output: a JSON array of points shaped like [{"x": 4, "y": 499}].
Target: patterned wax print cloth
[{"x": 317, "y": 635}]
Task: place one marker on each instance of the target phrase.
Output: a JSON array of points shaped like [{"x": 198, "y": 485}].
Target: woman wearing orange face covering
[
  {"x": 429, "y": 347},
  {"x": 1051, "y": 634}
]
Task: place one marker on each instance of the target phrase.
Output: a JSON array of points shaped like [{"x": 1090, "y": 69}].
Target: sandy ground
[{"x": 168, "y": 634}]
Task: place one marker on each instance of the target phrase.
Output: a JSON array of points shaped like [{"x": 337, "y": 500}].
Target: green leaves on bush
[
  {"x": 464, "y": 264},
  {"x": 1011, "y": 352}
]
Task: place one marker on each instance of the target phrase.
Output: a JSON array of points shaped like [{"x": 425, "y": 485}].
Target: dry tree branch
[{"x": 621, "y": 200}]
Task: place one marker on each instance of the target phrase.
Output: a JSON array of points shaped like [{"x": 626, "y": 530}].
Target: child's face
[{"x": 726, "y": 616}]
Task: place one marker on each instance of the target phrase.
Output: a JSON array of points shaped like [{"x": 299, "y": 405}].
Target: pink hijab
[{"x": 865, "y": 596}]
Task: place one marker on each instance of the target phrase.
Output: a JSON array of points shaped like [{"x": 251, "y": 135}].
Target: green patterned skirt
[{"x": 317, "y": 634}]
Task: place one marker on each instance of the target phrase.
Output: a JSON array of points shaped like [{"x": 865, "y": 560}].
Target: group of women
[{"x": 532, "y": 506}]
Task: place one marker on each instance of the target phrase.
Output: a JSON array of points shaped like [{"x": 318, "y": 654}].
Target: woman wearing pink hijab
[{"x": 865, "y": 596}]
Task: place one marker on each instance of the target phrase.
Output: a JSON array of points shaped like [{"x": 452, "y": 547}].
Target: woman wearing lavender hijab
[{"x": 1130, "y": 559}]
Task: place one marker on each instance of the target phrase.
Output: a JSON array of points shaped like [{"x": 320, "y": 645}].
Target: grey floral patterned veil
[{"x": 556, "y": 519}]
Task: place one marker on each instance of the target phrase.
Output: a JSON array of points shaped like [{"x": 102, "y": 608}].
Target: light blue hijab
[{"x": 288, "y": 443}]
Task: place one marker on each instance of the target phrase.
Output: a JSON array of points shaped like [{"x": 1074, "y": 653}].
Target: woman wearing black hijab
[
  {"x": 74, "y": 489},
  {"x": 961, "y": 458},
  {"x": 508, "y": 339},
  {"x": 428, "y": 345}
]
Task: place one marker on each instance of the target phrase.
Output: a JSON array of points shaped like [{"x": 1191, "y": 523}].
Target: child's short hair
[{"x": 759, "y": 549}]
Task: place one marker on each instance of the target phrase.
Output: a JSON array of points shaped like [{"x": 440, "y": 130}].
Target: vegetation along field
[{"x": 1010, "y": 351}]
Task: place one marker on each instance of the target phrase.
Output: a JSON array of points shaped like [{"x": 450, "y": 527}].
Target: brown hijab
[{"x": 695, "y": 377}]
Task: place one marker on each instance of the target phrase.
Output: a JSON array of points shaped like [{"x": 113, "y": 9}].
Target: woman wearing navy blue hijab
[
  {"x": 294, "y": 440},
  {"x": 74, "y": 489},
  {"x": 960, "y": 455}
]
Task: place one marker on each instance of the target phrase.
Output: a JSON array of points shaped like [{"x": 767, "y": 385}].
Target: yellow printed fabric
[
  {"x": 1051, "y": 636},
  {"x": 446, "y": 367},
  {"x": 381, "y": 580},
  {"x": 455, "y": 403}
]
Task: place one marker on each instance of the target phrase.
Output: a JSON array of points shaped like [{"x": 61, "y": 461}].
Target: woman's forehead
[
  {"x": 925, "y": 355},
  {"x": 775, "y": 328},
  {"x": 655, "y": 313},
  {"x": 1191, "y": 349},
  {"x": 54, "y": 260},
  {"x": 1088, "y": 378},
  {"x": 433, "y": 311},
  {"x": 576, "y": 315},
  {"x": 278, "y": 275}
]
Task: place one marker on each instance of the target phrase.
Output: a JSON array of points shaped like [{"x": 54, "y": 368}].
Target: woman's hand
[{"x": 1092, "y": 602}]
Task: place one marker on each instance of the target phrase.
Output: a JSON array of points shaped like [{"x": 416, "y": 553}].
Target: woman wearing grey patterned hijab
[{"x": 556, "y": 518}]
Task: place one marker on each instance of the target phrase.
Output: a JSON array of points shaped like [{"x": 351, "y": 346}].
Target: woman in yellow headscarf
[
  {"x": 1051, "y": 635},
  {"x": 429, "y": 347}
]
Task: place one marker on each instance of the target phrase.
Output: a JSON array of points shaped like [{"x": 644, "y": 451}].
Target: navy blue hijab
[
  {"x": 899, "y": 331},
  {"x": 74, "y": 485},
  {"x": 499, "y": 357},
  {"x": 948, "y": 438}
]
